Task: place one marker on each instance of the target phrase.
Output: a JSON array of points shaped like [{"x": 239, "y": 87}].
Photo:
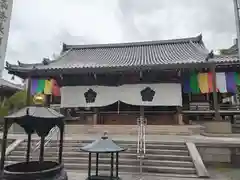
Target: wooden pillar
[
  {"x": 48, "y": 100},
  {"x": 29, "y": 91},
  {"x": 95, "y": 116},
  {"x": 179, "y": 116},
  {"x": 215, "y": 95},
  {"x": 142, "y": 111}
]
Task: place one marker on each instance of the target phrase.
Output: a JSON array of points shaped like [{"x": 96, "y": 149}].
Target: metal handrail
[
  {"x": 49, "y": 137},
  {"x": 141, "y": 141}
]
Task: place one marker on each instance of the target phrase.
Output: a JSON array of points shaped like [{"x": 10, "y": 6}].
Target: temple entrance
[{"x": 121, "y": 114}]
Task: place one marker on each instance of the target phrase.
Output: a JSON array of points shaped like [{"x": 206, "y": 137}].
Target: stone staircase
[{"x": 168, "y": 158}]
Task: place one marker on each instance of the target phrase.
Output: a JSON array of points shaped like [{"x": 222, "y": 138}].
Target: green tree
[
  {"x": 13, "y": 103},
  {"x": 17, "y": 100},
  {"x": 4, "y": 107}
]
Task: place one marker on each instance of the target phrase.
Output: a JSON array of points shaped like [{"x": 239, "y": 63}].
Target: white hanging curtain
[
  {"x": 73, "y": 96},
  {"x": 164, "y": 94}
]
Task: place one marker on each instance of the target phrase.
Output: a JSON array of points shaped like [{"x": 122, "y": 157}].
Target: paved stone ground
[{"x": 216, "y": 174}]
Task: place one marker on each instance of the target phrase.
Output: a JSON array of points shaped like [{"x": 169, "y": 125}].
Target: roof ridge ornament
[
  {"x": 64, "y": 47},
  {"x": 200, "y": 37},
  {"x": 210, "y": 55},
  {"x": 8, "y": 64},
  {"x": 46, "y": 61}
]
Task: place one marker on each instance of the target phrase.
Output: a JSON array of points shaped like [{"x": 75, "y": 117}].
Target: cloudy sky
[{"x": 39, "y": 27}]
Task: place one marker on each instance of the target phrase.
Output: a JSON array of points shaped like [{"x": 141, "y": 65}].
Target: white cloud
[{"x": 39, "y": 27}]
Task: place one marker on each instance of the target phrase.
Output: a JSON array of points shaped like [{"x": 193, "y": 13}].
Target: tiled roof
[
  {"x": 6, "y": 84},
  {"x": 225, "y": 59},
  {"x": 136, "y": 54},
  {"x": 233, "y": 50}
]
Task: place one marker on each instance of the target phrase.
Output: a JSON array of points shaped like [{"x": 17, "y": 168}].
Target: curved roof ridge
[
  {"x": 203, "y": 49},
  {"x": 197, "y": 39},
  {"x": 25, "y": 65}
]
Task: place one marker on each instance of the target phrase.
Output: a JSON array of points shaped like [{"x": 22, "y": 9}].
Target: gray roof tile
[
  {"x": 6, "y": 84},
  {"x": 150, "y": 53},
  {"x": 225, "y": 59}
]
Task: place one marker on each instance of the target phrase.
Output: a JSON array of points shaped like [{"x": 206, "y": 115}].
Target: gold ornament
[{"x": 39, "y": 99}]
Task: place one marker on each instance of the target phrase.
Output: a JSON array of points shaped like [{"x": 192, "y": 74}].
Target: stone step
[
  {"x": 107, "y": 160},
  {"x": 161, "y": 157},
  {"x": 77, "y": 142},
  {"x": 121, "y": 155},
  {"x": 129, "y": 168},
  {"x": 128, "y": 128},
  {"x": 148, "y": 146},
  {"x": 168, "y": 175},
  {"x": 129, "y": 150}
]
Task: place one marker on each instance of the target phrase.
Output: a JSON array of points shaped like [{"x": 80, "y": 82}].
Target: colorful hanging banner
[
  {"x": 41, "y": 85},
  {"x": 55, "y": 88},
  {"x": 221, "y": 82},
  {"x": 194, "y": 84},
  {"x": 230, "y": 80},
  {"x": 202, "y": 82},
  {"x": 237, "y": 78},
  {"x": 186, "y": 84},
  {"x": 210, "y": 84},
  {"x": 34, "y": 86},
  {"x": 46, "y": 87}
]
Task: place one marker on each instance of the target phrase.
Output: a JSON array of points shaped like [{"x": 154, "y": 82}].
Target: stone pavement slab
[{"x": 215, "y": 176}]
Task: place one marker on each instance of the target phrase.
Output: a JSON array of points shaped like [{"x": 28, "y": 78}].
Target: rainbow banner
[
  {"x": 198, "y": 83},
  {"x": 43, "y": 86}
]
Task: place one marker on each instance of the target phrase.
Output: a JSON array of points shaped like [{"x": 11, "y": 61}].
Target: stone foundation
[
  {"x": 215, "y": 155},
  {"x": 132, "y": 129},
  {"x": 220, "y": 155},
  {"x": 218, "y": 127}
]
